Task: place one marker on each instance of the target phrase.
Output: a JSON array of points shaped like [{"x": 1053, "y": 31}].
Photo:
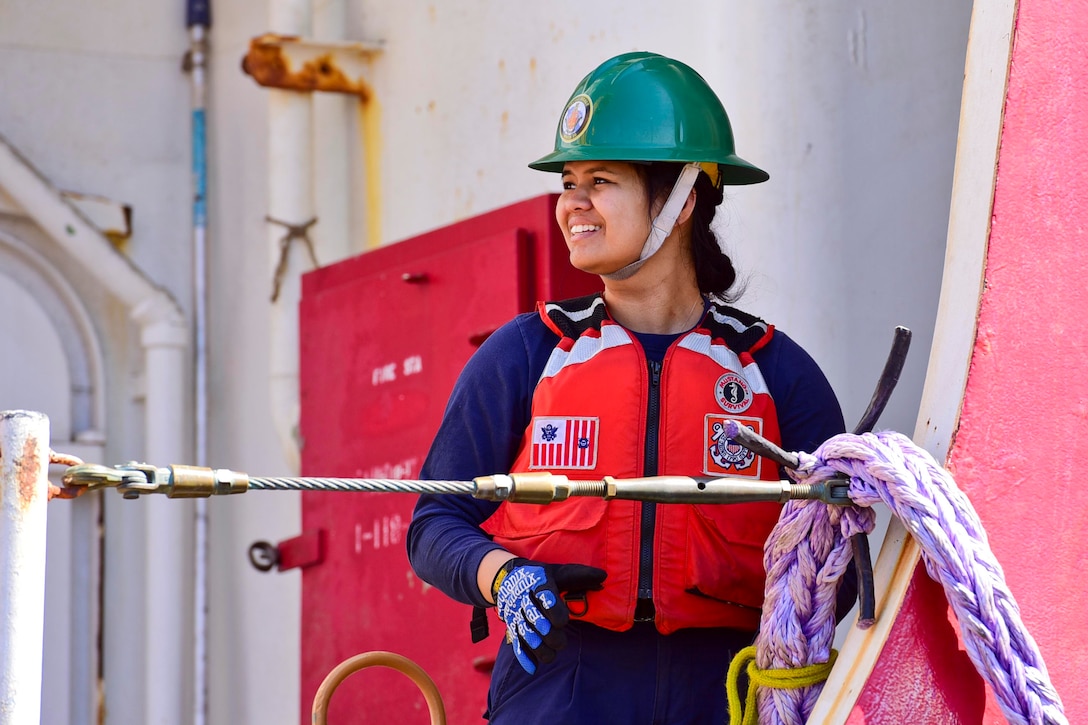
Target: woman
[{"x": 636, "y": 381}]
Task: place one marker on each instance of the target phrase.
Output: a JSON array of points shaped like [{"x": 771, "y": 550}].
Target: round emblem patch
[
  {"x": 575, "y": 118},
  {"x": 732, "y": 393},
  {"x": 727, "y": 453}
]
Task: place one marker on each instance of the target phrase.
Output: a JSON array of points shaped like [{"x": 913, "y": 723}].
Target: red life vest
[{"x": 593, "y": 411}]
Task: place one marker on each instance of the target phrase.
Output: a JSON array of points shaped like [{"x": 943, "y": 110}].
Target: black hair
[{"x": 714, "y": 271}]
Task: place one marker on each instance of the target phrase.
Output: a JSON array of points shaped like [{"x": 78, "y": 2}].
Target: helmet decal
[{"x": 575, "y": 117}]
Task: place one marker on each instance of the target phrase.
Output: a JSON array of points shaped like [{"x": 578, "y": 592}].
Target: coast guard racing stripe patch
[{"x": 564, "y": 443}]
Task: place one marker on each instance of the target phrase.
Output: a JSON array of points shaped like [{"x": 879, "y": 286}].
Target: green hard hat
[{"x": 646, "y": 107}]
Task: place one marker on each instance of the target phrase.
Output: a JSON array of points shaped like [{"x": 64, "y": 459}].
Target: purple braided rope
[
  {"x": 888, "y": 467},
  {"x": 805, "y": 557}
]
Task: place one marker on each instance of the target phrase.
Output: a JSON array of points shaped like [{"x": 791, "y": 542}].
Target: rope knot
[
  {"x": 817, "y": 468},
  {"x": 780, "y": 679},
  {"x": 806, "y": 469}
]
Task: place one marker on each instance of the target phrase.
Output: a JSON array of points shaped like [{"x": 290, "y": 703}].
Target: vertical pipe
[
  {"x": 291, "y": 200},
  {"x": 372, "y": 149},
  {"x": 24, "y": 487},
  {"x": 167, "y": 566},
  {"x": 85, "y": 621},
  {"x": 333, "y": 113},
  {"x": 199, "y": 20}
]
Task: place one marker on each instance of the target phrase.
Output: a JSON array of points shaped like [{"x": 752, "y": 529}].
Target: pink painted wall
[{"x": 1024, "y": 425}]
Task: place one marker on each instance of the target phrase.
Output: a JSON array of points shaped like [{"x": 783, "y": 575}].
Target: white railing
[{"x": 24, "y": 491}]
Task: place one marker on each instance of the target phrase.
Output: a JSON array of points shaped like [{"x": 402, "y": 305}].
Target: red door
[{"x": 383, "y": 338}]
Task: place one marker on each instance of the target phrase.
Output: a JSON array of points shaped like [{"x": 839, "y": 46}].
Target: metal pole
[
  {"x": 290, "y": 200},
  {"x": 24, "y": 491},
  {"x": 199, "y": 20}
]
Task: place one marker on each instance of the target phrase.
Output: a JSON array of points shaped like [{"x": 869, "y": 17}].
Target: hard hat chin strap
[{"x": 663, "y": 225}]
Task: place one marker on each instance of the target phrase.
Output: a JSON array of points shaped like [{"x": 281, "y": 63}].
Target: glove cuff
[{"x": 500, "y": 575}]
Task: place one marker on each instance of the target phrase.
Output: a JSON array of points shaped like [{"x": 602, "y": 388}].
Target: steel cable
[{"x": 376, "y": 485}]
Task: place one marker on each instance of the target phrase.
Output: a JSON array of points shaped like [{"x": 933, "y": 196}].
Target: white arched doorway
[{"x": 52, "y": 363}]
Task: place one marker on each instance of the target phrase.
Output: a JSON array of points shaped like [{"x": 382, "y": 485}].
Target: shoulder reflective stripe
[
  {"x": 700, "y": 342},
  {"x": 576, "y": 315},
  {"x": 733, "y": 322},
  {"x": 754, "y": 377},
  {"x": 584, "y": 348}
]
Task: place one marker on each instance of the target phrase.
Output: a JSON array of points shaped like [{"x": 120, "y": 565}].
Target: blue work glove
[{"x": 527, "y": 594}]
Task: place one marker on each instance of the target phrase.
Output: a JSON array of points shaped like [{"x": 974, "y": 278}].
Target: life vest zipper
[{"x": 649, "y": 468}]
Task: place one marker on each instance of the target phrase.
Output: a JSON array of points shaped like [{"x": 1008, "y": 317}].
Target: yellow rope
[{"x": 782, "y": 679}]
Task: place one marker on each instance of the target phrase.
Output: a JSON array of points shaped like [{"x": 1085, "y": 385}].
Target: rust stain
[
  {"x": 64, "y": 459},
  {"x": 270, "y": 66},
  {"x": 27, "y": 471}
]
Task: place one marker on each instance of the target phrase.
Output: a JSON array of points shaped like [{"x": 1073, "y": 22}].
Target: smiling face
[{"x": 603, "y": 213}]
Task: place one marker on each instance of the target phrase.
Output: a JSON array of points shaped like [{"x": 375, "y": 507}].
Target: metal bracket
[
  {"x": 300, "y": 64},
  {"x": 304, "y": 550}
]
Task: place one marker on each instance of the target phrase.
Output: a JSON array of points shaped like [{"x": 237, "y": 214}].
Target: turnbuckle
[
  {"x": 134, "y": 479},
  {"x": 542, "y": 487}
]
